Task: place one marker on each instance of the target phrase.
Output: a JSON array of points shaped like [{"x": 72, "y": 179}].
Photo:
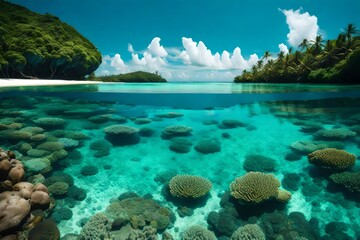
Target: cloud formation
[
  {"x": 301, "y": 26},
  {"x": 198, "y": 54},
  {"x": 194, "y": 61},
  {"x": 283, "y": 48}
]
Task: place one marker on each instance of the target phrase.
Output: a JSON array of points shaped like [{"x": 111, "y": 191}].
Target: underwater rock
[
  {"x": 37, "y": 165},
  {"x": 207, "y": 146},
  {"x": 146, "y": 132},
  {"x": 180, "y": 145},
  {"x": 61, "y": 213},
  {"x": 292, "y": 156},
  {"x": 69, "y": 142},
  {"x": 50, "y": 123},
  {"x": 102, "y": 148},
  {"x": 350, "y": 180},
  {"x": 147, "y": 209},
  {"x": 230, "y": 123},
  {"x": 89, "y": 170},
  {"x": 197, "y": 232},
  {"x": 46, "y": 229},
  {"x": 121, "y": 135},
  {"x": 306, "y": 147},
  {"x": 255, "y": 187},
  {"x": 165, "y": 176},
  {"x": 13, "y": 209},
  {"x": 59, "y": 176},
  {"x": 184, "y": 211},
  {"x": 51, "y": 146},
  {"x": 76, "y": 193},
  {"x": 225, "y": 222},
  {"x": 275, "y": 224},
  {"x": 170, "y": 115},
  {"x": 332, "y": 158},
  {"x": 58, "y": 189},
  {"x": 37, "y": 153},
  {"x": 291, "y": 181},
  {"x": 210, "y": 122},
  {"x": 334, "y": 134},
  {"x": 248, "y": 231},
  {"x": 141, "y": 121},
  {"x": 259, "y": 163},
  {"x": 176, "y": 131}
]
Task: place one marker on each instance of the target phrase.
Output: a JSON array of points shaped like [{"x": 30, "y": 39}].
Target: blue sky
[{"x": 180, "y": 39}]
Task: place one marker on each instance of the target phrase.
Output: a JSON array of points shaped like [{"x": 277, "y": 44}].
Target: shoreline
[{"x": 15, "y": 82}]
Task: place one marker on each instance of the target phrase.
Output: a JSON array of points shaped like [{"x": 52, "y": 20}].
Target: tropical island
[
  {"x": 41, "y": 46},
  {"x": 133, "y": 77},
  {"x": 332, "y": 61}
]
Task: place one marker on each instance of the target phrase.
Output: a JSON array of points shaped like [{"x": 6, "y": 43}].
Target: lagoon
[{"x": 231, "y": 129}]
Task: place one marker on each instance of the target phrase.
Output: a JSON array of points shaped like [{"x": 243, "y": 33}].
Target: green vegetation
[
  {"x": 41, "y": 46},
  {"x": 135, "y": 77},
  {"x": 333, "y": 61}
]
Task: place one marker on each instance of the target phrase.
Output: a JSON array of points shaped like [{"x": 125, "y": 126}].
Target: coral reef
[
  {"x": 50, "y": 122},
  {"x": 350, "y": 180},
  {"x": 207, "y": 146},
  {"x": 259, "y": 163},
  {"x": 176, "y": 131},
  {"x": 198, "y": 232},
  {"x": 248, "y": 232},
  {"x": 97, "y": 228},
  {"x": 332, "y": 158},
  {"x": 188, "y": 186},
  {"x": 121, "y": 135},
  {"x": 180, "y": 145},
  {"x": 255, "y": 187},
  {"x": 334, "y": 134}
]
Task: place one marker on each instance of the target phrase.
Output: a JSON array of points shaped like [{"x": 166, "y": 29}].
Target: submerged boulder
[{"x": 121, "y": 135}]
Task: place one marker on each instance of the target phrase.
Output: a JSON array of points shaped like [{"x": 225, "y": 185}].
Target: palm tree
[
  {"x": 304, "y": 44},
  {"x": 349, "y": 31},
  {"x": 267, "y": 55},
  {"x": 290, "y": 50},
  {"x": 317, "y": 45},
  {"x": 281, "y": 56},
  {"x": 260, "y": 64},
  {"x": 328, "y": 57}
]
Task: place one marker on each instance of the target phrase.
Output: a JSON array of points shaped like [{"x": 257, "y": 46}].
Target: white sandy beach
[{"x": 11, "y": 82}]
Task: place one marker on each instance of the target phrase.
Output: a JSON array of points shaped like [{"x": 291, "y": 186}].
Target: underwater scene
[{"x": 143, "y": 161}]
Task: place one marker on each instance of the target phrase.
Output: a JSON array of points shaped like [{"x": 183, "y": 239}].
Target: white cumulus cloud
[
  {"x": 156, "y": 49},
  {"x": 198, "y": 54},
  {"x": 283, "y": 48},
  {"x": 301, "y": 25},
  {"x": 192, "y": 62}
]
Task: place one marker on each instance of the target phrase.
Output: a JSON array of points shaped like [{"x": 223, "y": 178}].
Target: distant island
[
  {"x": 134, "y": 77},
  {"x": 41, "y": 46},
  {"x": 334, "y": 61}
]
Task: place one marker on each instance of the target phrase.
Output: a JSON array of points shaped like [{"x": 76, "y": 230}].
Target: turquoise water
[{"x": 279, "y": 122}]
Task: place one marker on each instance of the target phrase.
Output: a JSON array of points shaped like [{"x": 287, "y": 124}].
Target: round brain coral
[
  {"x": 254, "y": 187},
  {"x": 122, "y": 135},
  {"x": 350, "y": 180},
  {"x": 188, "y": 186},
  {"x": 197, "y": 232},
  {"x": 248, "y": 232},
  {"x": 50, "y": 122},
  {"x": 332, "y": 158}
]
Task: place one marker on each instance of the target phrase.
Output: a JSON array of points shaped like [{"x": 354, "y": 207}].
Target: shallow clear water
[{"x": 271, "y": 119}]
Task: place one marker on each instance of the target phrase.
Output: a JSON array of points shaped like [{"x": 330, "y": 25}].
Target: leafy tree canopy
[
  {"x": 134, "y": 77},
  {"x": 319, "y": 61},
  {"x": 41, "y": 46}
]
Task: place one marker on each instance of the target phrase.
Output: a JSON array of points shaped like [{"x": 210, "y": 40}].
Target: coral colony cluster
[{"x": 93, "y": 170}]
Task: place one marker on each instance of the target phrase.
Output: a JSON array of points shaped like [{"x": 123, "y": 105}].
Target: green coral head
[{"x": 188, "y": 186}]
